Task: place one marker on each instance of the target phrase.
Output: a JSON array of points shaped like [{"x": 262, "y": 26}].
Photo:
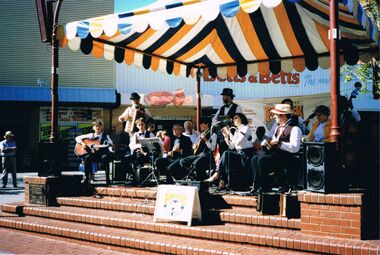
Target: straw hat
[
  {"x": 281, "y": 109},
  {"x": 8, "y": 133}
]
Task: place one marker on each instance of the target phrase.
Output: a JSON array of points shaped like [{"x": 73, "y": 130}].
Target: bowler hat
[
  {"x": 228, "y": 92},
  {"x": 134, "y": 95},
  {"x": 8, "y": 133},
  {"x": 281, "y": 109}
]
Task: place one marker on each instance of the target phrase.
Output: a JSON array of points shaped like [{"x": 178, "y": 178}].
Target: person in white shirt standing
[
  {"x": 8, "y": 158},
  {"x": 223, "y": 117},
  {"x": 282, "y": 148}
]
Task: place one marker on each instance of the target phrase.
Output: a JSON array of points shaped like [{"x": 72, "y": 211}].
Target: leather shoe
[{"x": 221, "y": 185}]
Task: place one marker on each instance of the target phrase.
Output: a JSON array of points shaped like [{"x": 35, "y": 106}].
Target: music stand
[{"x": 151, "y": 146}]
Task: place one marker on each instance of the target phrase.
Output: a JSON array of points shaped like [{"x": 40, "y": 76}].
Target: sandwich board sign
[{"x": 177, "y": 203}]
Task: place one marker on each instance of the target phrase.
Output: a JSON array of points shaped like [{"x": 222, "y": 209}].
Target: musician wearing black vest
[
  {"x": 203, "y": 149},
  {"x": 223, "y": 117},
  {"x": 137, "y": 155},
  {"x": 102, "y": 155},
  {"x": 180, "y": 147},
  {"x": 282, "y": 148}
]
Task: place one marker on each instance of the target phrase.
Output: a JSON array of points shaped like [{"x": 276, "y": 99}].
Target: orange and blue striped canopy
[{"x": 226, "y": 37}]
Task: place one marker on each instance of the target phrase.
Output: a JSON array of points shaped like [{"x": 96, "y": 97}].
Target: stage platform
[{"x": 120, "y": 216}]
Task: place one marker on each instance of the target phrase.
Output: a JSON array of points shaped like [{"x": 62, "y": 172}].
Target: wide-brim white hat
[
  {"x": 281, "y": 109},
  {"x": 8, "y": 133}
]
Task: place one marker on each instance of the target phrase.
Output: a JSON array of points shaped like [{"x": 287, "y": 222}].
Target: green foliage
[{"x": 364, "y": 71}]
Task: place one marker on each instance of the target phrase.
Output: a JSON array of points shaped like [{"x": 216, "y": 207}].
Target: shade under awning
[
  {"x": 66, "y": 94},
  {"x": 226, "y": 38}
]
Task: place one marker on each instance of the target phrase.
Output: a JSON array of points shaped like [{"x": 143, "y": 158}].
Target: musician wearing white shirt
[
  {"x": 193, "y": 134},
  {"x": 240, "y": 149},
  {"x": 223, "y": 117},
  {"x": 137, "y": 156},
  {"x": 101, "y": 155},
  {"x": 130, "y": 111},
  {"x": 203, "y": 149},
  {"x": 283, "y": 147}
]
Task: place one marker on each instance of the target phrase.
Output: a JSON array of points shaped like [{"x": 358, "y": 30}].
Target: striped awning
[{"x": 226, "y": 37}]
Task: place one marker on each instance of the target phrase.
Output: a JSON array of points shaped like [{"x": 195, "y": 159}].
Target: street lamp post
[{"x": 54, "y": 135}]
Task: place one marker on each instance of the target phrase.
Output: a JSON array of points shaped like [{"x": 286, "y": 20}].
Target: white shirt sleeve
[
  {"x": 124, "y": 115},
  {"x": 355, "y": 115},
  {"x": 80, "y": 138},
  {"x": 215, "y": 118},
  {"x": 133, "y": 145},
  {"x": 239, "y": 109},
  {"x": 212, "y": 145},
  {"x": 272, "y": 131},
  {"x": 109, "y": 140},
  {"x": 293, "y": 146}
]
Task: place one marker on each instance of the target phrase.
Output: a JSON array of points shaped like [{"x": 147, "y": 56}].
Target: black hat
[
  {"x": 228, "y": 92},
  {"x": 134, "y": 95}
]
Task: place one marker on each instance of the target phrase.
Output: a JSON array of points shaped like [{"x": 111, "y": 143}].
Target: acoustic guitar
[{"x": 92, "y": 147}]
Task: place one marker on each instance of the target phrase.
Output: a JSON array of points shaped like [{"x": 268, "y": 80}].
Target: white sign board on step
[{"x": 177, "y": 203}]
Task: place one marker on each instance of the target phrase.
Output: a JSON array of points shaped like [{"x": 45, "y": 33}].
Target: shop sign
[
  {"x": 280, "y": 78},
  {"x": 65, "y": 131},
  {"x": 72, "y": 114}
]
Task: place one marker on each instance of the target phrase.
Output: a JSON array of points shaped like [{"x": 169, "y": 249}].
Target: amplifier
[
  {"x": 268, "y": 203},
  {"x": 290, "y": 206},
  {"x": 202, "y": 186},
  {"x": 118, "y": 171}
]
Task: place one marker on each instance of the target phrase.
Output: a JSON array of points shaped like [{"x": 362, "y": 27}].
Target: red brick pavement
[{"x": 18, "y": 242}]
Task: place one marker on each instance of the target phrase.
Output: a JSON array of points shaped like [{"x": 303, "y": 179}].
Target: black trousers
[
  {"x": 274, "y": 162},
  {"x": 136, "y": 158},
  {"x": 171, "y": 168},
  {"x": 98, "y": 157},
  {"x": 200, "y": 163}
]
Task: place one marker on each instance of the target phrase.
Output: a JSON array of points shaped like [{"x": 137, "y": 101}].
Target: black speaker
[
  {"x": 268, "y": 203},
  {"x": 51, "y": 156},
  {"x": 118, "y": 170},
  {"x": 322, "y": 171},
  {"x": 45, "y": 19}
]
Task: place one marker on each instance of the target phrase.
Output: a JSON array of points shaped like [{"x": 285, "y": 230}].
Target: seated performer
[
  {"x": 260, "y": 137},
  {"x": 297, "y": 120},
  {"x": 321, "y": 129},
  {"x": 99, "y": 155},
  {"x": 282, "y": 149},
  {"x": 180, "y": 147},
  {"x": 137, "y": 155},
  {"x": 240, "y": 142},
  {"x": 194, "y": 135},
  {"x": 202, "y": 157}
]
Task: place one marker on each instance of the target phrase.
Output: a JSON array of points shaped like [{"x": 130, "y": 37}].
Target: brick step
[
  {"x": 235, "y": 214},
  {"x": 135, "y": 239},
  {"x": 34, "y": 243},
  {"x": 236, "y": 233},
  {"x": 150, "y": 193},
  {"x": 222, "y": 232}
]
